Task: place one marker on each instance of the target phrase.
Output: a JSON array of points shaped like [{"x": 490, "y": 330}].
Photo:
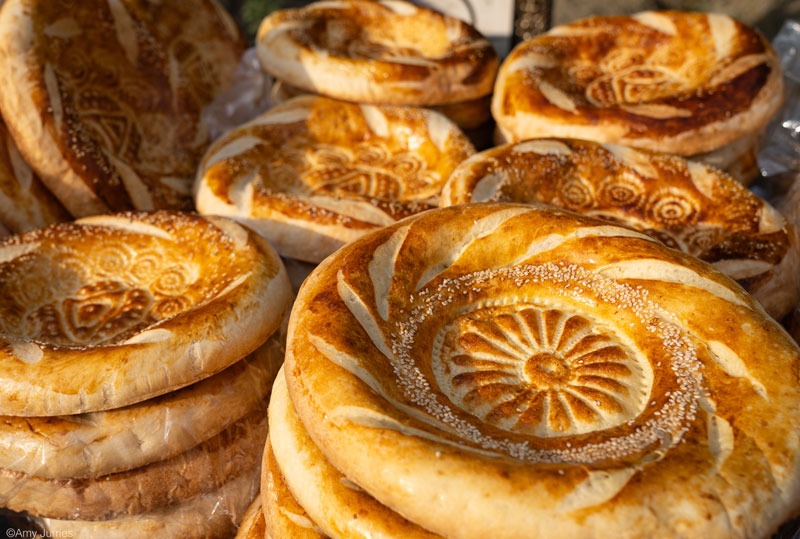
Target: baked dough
[
  {"x": 283, "y": 516},
  {"x": 687, "y": 205},
  {"x": 214, "y": 515},
  {"x": 104, "y": 98},
  {"x": 339, "y": 507},
  {"x": 203, "y": 468},
  {"x": 677, "y": 82},
  {"x": 25, "y": 203},
  {"x": 115, "y": 309},
  {"x": 102, "y": 443},
  {"x": 315, "y": 173},
  {"x": 253, "y": 525},
  {"x": 503, "y": 370},
  {"x": 387, "y": 52}
]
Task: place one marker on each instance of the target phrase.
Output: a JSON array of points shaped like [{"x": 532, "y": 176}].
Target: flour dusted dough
[
  {"x": 315, "y": 173},
  {"x": 678, "y": 82},
  {"x": 389, "y": 52},
  {"x": 687, "y": 205},
  {"x": 115, "y": 309},
  {"x": 104, "y": 98},
  {"x": 503, "y": 370}
]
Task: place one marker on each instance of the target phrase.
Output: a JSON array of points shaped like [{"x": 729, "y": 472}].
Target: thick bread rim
[
  {"x": 454, "y": 480},
  {"x": 318, "y": 223},
  {"x": 212, "y": 515},
  {"x": 518, "y": 125},
  {"x": 175, "y": 352},
  {"x": 457, "y": 75},
  {"x": 283, "y": 516},
  {"x": 117, "y": 440},
  {"x": 337, "y": 505},
  {"x": 695, "y": 199},
  {"x": 201, "y": 469}
]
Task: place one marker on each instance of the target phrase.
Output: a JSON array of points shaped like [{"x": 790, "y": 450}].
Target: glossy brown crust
[
  {"x": 104, "y": 99},
  {"x": 512, "y": 370},
  {"x": 672, "y": 81},
  {"x": 25, "y": 202},
  {"x": 328, "y": 170},
  {"x": 688, "y": 206},
  {"x": 253, "y": 525},
  {"x": 115, "y": 309},
  {"x": 204, "y": 468},
  {"x": 390, "y": 52}
]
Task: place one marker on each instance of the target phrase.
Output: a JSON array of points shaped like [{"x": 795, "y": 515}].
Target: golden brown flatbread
[
  {"x": 116, "y": 309},
  {"x": 384, "y": 52},
  {"x": 507, "y": 370},
  {"x": 315, "y": 173},
  {"x": 104, "y": 98},
  {"x": 678, "y": 82}
]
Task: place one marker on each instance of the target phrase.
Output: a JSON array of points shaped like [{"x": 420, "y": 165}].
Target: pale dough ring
[
  {"x": 678, "y": 82},
  {"x": 689, "y": 206},
  {"x": 314, "y": 173},
  {"x": 104, "y": 99},
  {"x": 102, "y": 443},
  {"x": 388, "y": 52},
  {"x": 283, "y": 516},
  {"x": 115, "y": 309},
  {"x": 203, "y": 468},
  {"x": 213, "y": 515},
  {"x": 339, "y": 507},
  {"x": 508, "y": 370}
]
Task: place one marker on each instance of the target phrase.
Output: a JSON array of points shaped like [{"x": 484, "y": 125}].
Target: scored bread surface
[
  {"x": 678, "y": 82},
  {"x": 104, "y": 98},
  {"x": 389, "y": 51},
  {"x": 115, "y": 309},
  {"x": 504, "y": 370},
  {"x": 688, "y": 206},
  {"x": 314, "y": 173}
]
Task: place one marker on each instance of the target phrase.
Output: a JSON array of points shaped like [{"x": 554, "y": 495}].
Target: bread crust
[
  {"x": 253, "y": 525},
  {"x": 678, "y": 82},
  {"x": 116, "y": 309},
  {"x": 315, "y": 173},
  {"x": 385, "y": 52},
  {"x": 102, "y": 443},
  {"x": 692, "y": 207},
  {"x": 204, "y": 468},
  {"x": 502, "y": 370},
  {"x": 104, "y": 101}
]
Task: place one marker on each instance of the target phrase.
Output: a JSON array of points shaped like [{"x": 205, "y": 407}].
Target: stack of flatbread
[
  {"x": 693, "y": 84},
  {"x": 138, "y": 353},
  {"x": 389, "y": 52},
  {"x": 515, "y": 370}
]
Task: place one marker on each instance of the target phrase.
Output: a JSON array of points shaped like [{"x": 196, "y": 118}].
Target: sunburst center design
[{"x": 542, "y": 371}]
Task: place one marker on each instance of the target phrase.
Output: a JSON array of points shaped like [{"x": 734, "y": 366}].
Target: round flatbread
[
  {"x": 283, "y": 516},
  {"x": 689, "y": 206},
  {"x": 315, "y": 173},
  {"x": 339, "y": 507},
  {"x": 388, "y": 52},
  {"x": 203, "y": 468},
  {"x": 678, "y": 82},
  {"x": 213, "y": 515},
  {"x": 115, "y": 309},
  {"x": 102, "y": 443},
  {"x": 503, "y": 370},
  {"x": 104, "y": 98},
  {"x": 25, "y": 202}
]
